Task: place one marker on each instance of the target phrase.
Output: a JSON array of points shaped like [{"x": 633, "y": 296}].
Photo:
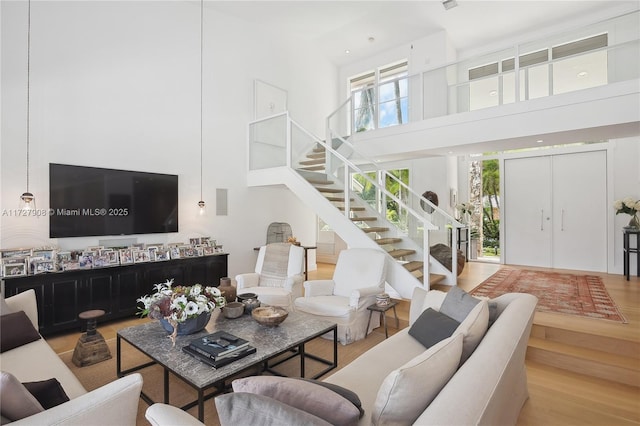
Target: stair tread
[
  {"x": 312, "y": 161},
  {"x": 337, "y": 199},
  {"x": 364, "y": 219},
  {"x": 401, "y": 252},
  {"x": 580, "y": 326},
  {"x": 353, "y": 208},
  {"x": 330, "y": 190},
  {"x": 389, "y": 240},
  {"x": 414, "y": 265},
  {"x": 594, "y": 355},
  {"x": 316, "y": 155},
  {"x": 312, "y": 168},
  {"x": 375, "y": 229},
  {"x": 314, "y": 181}
]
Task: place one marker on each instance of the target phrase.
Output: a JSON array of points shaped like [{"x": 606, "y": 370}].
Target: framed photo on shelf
[
  {"x": 70, "y": 266},
  {"x": 141, "y": 256},
  {"x": 14, "y": 269},
  {"x": 162, "y": 254},
  {"x": 174, "y": 252},
  {"x": 208, "y": 250},
  {"x": 43, "y": 266},
  {"x": 15, "y": 253},
  {"x": 126, "y": 256},
  {"x": 85, "y": 260},
  {"x": 194, "y": 241}
]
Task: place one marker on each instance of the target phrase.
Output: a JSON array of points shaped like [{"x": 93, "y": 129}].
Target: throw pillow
[
  {"x": 432, "y": 326},
  {"x": 15, "y": 400},
  {"x": 406, "y": 392},
  {"x": 306, "y": 396},
  {"x": 238, "y": 408},
  {"x": 474, "y": 328},
  {"x": 344, "y": 392},
  {"x": 4, "y": 308},
  {"x": 17, "y": 330},
  {"x": 458, "y": 303},
  {"x": 49, "y": 393}
]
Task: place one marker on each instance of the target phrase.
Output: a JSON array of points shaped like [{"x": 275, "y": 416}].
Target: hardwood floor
[{"x": 557, "y": 396}]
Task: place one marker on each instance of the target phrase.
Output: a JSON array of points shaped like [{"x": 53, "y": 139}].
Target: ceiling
[{"x": 332, "y": 27}]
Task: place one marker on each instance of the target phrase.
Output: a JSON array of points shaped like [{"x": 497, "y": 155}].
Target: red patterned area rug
[{"x": 580, "y": 295}]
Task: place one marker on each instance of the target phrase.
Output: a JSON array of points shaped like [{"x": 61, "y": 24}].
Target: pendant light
[
  {"x": 27, "y": 200},
  {"x": 201, "y": 203}
]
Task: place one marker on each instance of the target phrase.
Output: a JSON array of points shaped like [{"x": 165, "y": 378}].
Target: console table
[
  {"x": 628, "y": 250},
  {"x": 62, "y": 296}
]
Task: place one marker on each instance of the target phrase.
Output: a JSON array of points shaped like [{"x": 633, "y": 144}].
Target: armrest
[
  {"x": 318, "y": 288},
  {"x": 360, "y": 296},
  {"x": 115, "y": 403},
  {"x": 25, "y": 301},
  {"x": 250, "y": 279},
  {"x": 167, "y": 415},
  {"x": 294, "y": 285}
]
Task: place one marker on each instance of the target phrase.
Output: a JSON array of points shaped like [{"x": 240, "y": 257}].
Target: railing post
[
  {"x": 426, "y": 255},
  {"x": 454, "y": 255},
  {"x": 347, "y": 197},
  {"x": 289, "y": 149}
]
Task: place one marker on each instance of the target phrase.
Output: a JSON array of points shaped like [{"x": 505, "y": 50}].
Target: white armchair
[
  {"x": 359, "y": 275},
  {"x": 278, "y": 276}
]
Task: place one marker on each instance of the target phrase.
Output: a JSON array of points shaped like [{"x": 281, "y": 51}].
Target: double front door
[{"x": 555, "y": 211}]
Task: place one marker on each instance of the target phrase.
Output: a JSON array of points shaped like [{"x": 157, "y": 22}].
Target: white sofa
[
  {"x": 113, "y": 404},
  {"x": 489, "y": 388}
]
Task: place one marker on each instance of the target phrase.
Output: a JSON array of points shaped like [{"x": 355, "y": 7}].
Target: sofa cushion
[
  {"x": 17, "y": 330},
  {"x": 239, "y": 408},
  {"x": 49, "y": 393},
  {"x": 432, "y": 326},
  {"x": 473, "y": 328},
  {"x": 4, "y": 308},
  {"x": 458, "y": 303},
  {"x": 408, "y": 390},
  {"x": 16, "y": 402},
  {"x": 303, "y": 395},
  {"x": 344, "y": 392}
]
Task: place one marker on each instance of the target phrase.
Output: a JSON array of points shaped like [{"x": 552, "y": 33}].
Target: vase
[
  {"x": 227, "y": 289},
  {"x": 634, "y": 223},
  {"x": 190, "y": 326}
]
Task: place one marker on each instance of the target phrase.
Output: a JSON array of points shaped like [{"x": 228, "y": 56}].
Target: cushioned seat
[
  {"x": 359, "y": 275},
  {"x": 278, "y": 275}
]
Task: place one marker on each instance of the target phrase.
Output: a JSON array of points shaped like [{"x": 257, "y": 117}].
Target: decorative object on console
[
  {"x": 250, "y": 301},
  {"x": 465, "y": 211},
  {"x": 631, "y": 207},
  {"x": 227, "y": 289},
  {"x": 382, "y": 299},
  {"x": 233, "y": 310},
  {"x": 270, "y": 316},
  {"x": 184, "y": 309},
  {"x": 293, "y": 240}
]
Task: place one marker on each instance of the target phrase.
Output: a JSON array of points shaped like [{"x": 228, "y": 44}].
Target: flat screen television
[{"x": 91, "y": 201}]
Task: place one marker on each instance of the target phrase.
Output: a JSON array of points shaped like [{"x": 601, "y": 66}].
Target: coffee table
[{"x": 289, "y": 337}]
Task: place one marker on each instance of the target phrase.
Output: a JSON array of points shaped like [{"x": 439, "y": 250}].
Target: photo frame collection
[{"x": 33, "y": 261}]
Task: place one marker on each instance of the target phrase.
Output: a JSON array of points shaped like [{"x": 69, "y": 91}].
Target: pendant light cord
[
  {"x": 28, "y": 84},
  {"x": 201, "y": 54}
]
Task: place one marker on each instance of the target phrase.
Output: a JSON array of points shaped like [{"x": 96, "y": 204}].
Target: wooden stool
[{"x": 91, "y": 347}]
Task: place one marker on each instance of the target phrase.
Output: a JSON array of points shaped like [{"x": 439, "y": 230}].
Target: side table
[
  {"x": 383, "y": 310},
  {"x": 91, "y": 347},
  {"x": 628, "y": 250}
]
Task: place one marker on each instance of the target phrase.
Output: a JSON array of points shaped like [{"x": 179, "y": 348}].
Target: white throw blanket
[{"x": 275, "y": 265}]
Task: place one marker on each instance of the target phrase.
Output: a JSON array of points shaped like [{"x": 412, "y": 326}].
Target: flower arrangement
[
  {"x": 177, "y": 304},
  {"x": 465, "y": 209},
  {"x": 628, "y": 206}
]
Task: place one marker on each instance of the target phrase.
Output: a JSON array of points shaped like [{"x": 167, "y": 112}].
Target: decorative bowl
[
  {"x": 245, "y": 296},
  {"x": 270, "y": 316},
  {"x": 233, "y": 309}
]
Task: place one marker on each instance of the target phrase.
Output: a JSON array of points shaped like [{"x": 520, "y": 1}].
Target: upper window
[{"x": 380, "y": 97}]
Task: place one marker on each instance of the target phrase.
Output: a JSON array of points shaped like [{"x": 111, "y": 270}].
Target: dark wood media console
[{"x": 63, "y": 295}]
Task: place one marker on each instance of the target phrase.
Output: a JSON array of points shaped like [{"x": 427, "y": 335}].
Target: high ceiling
[{"x": 332, "y": 27}]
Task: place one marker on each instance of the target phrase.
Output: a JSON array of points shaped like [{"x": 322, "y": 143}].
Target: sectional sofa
[
  {"x": 475, "y": 377},
  {"x": 113, "y": 404}
]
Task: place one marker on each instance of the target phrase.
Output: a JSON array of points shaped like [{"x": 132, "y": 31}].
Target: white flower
[
  {"x": 629, "y": 202},
  {"x": 213, "y": 291},
  {"x": 617, "y": 204},
  {"x": 179, "y": 302},
  {"x": 637, "y": 206},
  {"x": 196, "y": 290},
  {"x": 191, "y": 308}
]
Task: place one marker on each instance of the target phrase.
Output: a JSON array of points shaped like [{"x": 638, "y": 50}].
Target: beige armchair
[
  {"x": 359, "y": 275},
  {"x": 278, "y": 276}
]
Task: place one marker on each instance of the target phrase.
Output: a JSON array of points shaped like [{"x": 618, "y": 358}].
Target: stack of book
[{"x": 219, "y": 349}]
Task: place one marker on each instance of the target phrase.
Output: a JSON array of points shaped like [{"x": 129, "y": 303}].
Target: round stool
[{"x": 91, "y": 347}]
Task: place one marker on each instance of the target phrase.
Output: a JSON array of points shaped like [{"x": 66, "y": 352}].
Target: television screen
[{"x": 90, "y": 201}]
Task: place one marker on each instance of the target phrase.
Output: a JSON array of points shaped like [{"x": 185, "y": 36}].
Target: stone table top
[{"x": 151, "y": 339}]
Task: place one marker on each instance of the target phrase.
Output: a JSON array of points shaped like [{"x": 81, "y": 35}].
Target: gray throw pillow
[
  {"x": 432, "y": 326},
  {"x": 15, "y": 400},
  {"x": 343, "y": 392},
  {"x": 458, "y": 303},
  {"x": 17, "y": 330},
  {"x": 239, "y": 408},
  {"x": 307, "y": 396}
]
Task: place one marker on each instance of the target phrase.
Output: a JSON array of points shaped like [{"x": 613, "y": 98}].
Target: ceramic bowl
[
  {"x": 233, "y": 309},
  {"x": 269, "y": 316}
]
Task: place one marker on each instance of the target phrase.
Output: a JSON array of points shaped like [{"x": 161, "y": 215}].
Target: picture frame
[
  {"x": 100, "y": 261},
  {"x": 43, "y": 266},
  {"x": 141, "y": 256},
  {"x": 15, "y": 253},
  {"x": 85, "y": 260},
  {"x": 126, "y": 256},
  {"x": 205, "y": 241},
  {"x": 71, "y": 266},
  {"x": 95, "y": 248},
  {"x": 49, "y": 255},
  {"x": 162, "y": 254},
  {"x": 113, "y": 258},
  {"x": 187, "y": 251},
  {"x": 208, "y": 251},
  {"x": 194, "y": 241},
  {"x": 174, "y": 252},
  {"x": 14, "y": 269}
]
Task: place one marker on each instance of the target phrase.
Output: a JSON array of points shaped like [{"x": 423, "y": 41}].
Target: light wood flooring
[{"x": 557, "y": 396}]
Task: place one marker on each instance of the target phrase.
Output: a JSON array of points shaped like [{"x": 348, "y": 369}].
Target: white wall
[{"x": 117, "y": 85}]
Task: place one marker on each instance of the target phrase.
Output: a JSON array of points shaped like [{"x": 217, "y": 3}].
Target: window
[{"x": 380, "y": 97}]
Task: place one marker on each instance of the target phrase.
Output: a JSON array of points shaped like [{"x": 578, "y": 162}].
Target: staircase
[
  {"x": 283, "y": 153},
  {"x": 581, "y": 349}
]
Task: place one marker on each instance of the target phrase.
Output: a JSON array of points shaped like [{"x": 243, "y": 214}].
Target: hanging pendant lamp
[
  {"x": 201, "y": 203},
  {"x": 27, "y": 199}
]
